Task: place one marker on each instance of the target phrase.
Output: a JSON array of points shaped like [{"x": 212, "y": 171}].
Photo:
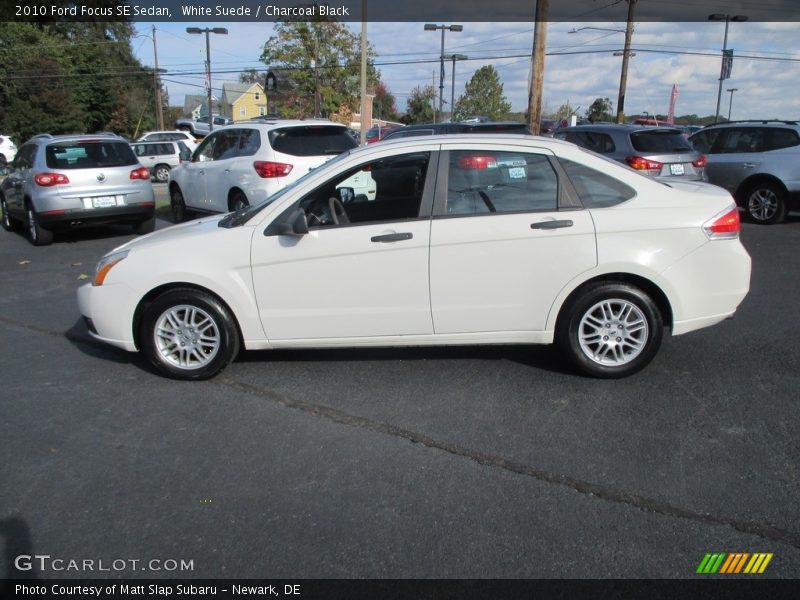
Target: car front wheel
[
  {"x": 9, "y": 224},
  {"x": 610, "y": 330},
  {"x": 188, "y": 334},
  {"x": 765, "y": 203}
]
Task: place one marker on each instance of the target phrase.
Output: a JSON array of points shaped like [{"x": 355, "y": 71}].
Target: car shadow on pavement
[{"x": 79, "y": 337}]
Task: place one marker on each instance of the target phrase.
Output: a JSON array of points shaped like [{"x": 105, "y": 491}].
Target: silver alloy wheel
[
  {"x": 162, "y": 174},
  {"x": 186, "y": 337},
  {"x": 613, "y": 332},
  {"x": 762, "y": 204}
]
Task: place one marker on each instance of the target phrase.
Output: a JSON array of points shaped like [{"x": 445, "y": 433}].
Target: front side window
[
  {"x": 485, "y": 182},
  {"x": 384, "y": 190}
]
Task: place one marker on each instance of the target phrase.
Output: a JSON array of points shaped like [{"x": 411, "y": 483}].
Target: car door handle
[
  {"x": 392, "y": 237},
  {"x": 749, "y": 165},
  {"x": 556, "y": 224}
]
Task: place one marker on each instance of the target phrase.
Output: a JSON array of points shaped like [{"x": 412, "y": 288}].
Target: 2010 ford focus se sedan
[{"x": 461, "y": 240}]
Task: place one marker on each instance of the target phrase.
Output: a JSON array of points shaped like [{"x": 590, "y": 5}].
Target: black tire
[
  {"x": 38, "y": 235},
  {"x": 146, "y": 226},
  {"x": 765, "y": 203},
  {"x": 9, "y": 222},
  {"x": 237, "y": 201},
  {"x": 185, "y": 128},
  {"x": 188, "y": 309},
  {"x": 177, "y": 204},
  {"x": 630, "y": 317},
  {"x": 161, "y": 173}
]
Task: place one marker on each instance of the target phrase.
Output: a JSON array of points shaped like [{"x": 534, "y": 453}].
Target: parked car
[
  {"x": 462, "y": 127},
  {"x": 655, "y": 151},
  {"x": 58, "y": 182},
  {"x": 201, "y": 127},
  {"x": 161, "y": 157},
  {"x": 475, "y": 239},
  {"x": 241, "y": 165},
  {"x": 170, "y": 136},
  {"x": 758, "y": 162},
  {"x": 8, "y": 150},
  {"x": 376, "y": 133}
]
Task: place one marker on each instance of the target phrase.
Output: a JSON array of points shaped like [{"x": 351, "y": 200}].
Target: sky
[{"x": 580, "y": 66}]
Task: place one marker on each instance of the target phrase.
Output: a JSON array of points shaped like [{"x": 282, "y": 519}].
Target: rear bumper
[{"x": 77, "y": 217}]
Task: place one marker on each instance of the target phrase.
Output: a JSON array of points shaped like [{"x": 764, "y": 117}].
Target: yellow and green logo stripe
[{"x": 727, "y": 563}]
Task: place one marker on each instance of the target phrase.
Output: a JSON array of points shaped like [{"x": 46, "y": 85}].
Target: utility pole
[
  {"x": 157, "y": 83},
  {"x": 536, "y": 83},
  {"x": 364, "y": 126},
  {"x": 207, "y": 30},
  {"x": 626, "y": 54}
]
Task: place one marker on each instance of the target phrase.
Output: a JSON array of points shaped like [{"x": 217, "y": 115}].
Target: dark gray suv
[
  {"x": 756, "y": 161},
  {"x": 57, "y": 182},
  {"x": 656, "y": 151}
]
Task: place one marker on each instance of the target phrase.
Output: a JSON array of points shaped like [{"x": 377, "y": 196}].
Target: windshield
[{"x": 243, "y": 215}]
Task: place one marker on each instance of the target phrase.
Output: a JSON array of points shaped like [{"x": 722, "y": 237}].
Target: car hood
[{"x": 181, "y": 233}]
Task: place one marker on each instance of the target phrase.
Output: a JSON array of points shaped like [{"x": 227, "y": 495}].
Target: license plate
[
  {"x": 104, "y": 201},
  {"x": 516, "y": 172},
  {"x": 676, "y": 169}
]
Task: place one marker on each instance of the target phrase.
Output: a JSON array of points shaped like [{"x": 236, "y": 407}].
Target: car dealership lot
[{"x": 460, "y": 462}]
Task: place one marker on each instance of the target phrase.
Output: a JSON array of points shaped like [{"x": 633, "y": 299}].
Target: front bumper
[{"x": 110, "y": 309}]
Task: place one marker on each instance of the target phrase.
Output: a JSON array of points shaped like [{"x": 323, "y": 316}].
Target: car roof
[
  {"x": 753, "y": 123},
  {"x": 46, "y": 138},
  {"x": 623, "y": 127},
  {"x": 276, "y": 123}
]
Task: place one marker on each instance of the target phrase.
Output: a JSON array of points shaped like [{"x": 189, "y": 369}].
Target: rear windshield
[
  {"x": 315, "y": 140},
  {"x": 660, "y": 142},
  {"x": 89, "y": 155},
  {"x": 498, "y": 128}
]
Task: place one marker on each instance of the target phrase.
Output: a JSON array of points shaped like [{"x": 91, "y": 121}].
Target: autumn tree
[
  {"x": 383, "y": 105},
  {"x": 420, "y": 105},
  {"x": 483, "y": 95}
]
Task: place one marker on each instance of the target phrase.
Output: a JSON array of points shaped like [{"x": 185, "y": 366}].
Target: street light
[
  {"x": 722, "y": 75},
  {"x": 207, "y": 30},
  {"x": 454, "y": 58},
  {"x": 730, "y": 104},
  {"x": 433, "y": 27}
]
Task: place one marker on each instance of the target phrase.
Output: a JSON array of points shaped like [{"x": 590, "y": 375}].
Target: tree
[
  {"x": 483, "y": 95},
  {"x": 251, "y": 76},
  {"x": 383, "y": 105},
  {"x": 564, "y": 111},
  {"x": 600, "y": 110},
  {"x": 322, "y": 59},
  {"x": 420, "y": 109}
]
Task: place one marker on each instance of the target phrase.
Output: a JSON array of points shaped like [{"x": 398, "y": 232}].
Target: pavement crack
[{"x": 762, "y": 530}]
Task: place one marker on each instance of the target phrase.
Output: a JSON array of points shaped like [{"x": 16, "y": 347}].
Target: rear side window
[
  {"x": 595, "y": 141},
  {"x": 89, "y": 155},
  {"x": 703, "y": 141},
  {"x": 596, "y": 189},
  {"x": 25, "y": 156},
  {"x": 660, "y": 142},
  {"x": 316, "y": 140}
]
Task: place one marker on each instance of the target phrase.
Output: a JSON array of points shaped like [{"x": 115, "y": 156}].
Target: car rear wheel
[
  {"x": 36, "y": 233},
  {"x": 177, "y": 204},
  {"x": 238, "y": 201},
  {"x": 188, "y": 334},
  {"x": 765, "y": 203},
  {"x": 610, "y": 330},
  {"x": 162, "y": 173}
]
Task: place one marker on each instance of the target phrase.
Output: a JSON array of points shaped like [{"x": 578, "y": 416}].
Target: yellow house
[{"x": 243, "y": 101}]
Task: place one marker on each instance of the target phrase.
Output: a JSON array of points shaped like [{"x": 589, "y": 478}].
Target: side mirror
[{"x": 295, "y": 224}]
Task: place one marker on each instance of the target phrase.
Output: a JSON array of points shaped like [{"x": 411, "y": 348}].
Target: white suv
[
  {"x": 7, "y": 150},
  {"x": 242, "y": 164}
]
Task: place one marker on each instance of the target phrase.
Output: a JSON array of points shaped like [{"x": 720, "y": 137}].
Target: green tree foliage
[
  {"x": 252, "y": 76},
  {"x": 321, "y": 59},
  {"x": 483, "y": 95},
  {"x": 600, "y": 110},
  {"x": 383, "y": 105},
  {"x": 420, "y": 105},
  {"x": 564, "y": 111},
  {"x": 72, "y": 77}
]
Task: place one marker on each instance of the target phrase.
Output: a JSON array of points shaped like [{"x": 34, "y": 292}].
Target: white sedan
[{"x": 468, "y": 240}]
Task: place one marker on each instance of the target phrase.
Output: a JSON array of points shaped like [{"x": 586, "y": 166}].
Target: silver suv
[
  {"x": 756, "y": 161},
  {"x": 242, "y": 164},
  {"x": 66, "y": 181},
  {"x": 655, "y": 151}
]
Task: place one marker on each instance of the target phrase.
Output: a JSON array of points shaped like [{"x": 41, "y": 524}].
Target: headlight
[{"x": 106, "y": 264}]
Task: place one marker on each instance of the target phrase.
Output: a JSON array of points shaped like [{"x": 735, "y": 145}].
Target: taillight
[
  {"x": 643, "y": 164},
  {"x": 141, "y": 173},
  {"x": 701, "y": 162},
  {"x": 266, "y": 168},
  {"x": 724, "y": 226},
  {"x": 477, "y": 161},
  {"x": 49, "y": 179}
]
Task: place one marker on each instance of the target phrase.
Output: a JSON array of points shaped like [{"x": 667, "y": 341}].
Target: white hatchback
[
  {"x": 242, "y": 164},
  {"x": 468, "y": 240}
]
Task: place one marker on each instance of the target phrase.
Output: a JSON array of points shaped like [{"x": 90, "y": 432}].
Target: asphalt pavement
[{"x": 395, "y": 463}]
